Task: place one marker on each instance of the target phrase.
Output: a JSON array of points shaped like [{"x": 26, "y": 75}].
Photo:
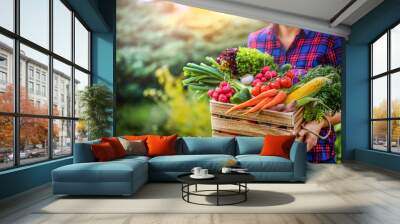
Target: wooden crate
[{"x": 254, "y": 124}]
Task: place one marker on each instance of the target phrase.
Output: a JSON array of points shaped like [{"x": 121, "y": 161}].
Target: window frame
[
  {"x": 388, "y": 74},
  {"x": 16, "y": 114}
]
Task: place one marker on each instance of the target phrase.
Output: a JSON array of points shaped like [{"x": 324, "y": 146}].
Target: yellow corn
[{"x": 309, "y": 88}]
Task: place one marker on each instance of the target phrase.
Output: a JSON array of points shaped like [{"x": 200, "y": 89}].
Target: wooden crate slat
[
  {"x": 265, "y": 116},
  {"x": 246, "y": 128}
]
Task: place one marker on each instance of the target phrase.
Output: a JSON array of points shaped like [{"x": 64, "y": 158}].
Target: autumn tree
[{"x": 33, "y": 131}]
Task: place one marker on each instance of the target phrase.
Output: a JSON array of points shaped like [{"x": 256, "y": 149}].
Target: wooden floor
[{"x": 377, "y": 188}]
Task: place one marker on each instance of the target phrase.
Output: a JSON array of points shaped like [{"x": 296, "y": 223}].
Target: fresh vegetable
[
  {"x": 279, "y": 98},
  {"x": 241, "y": 96},
  {"x": 264, "y": 76},
  {"x": 285, "y": 68},
  {"x": 285, "y": 82},
  {"x": 226, "y": 60},
  {"x": 259, "y": 105},
  {"x": 328, "y": 99},
  {"x": 247, "y": 79},
  {"x": 202, "y": 78},
  {"x": 280, "y": 107},
  {"x": 251, "y": 61},
  {"x": 307, "y": 89},
  {"x": 255, "y": 91},
  {"x": 290, "y": 107},
  {"x": 222, "y": 93},
  {"x": 253, "y": 101}
]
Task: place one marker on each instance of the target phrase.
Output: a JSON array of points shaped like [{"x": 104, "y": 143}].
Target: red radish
[
  {"x": 223, "y": 98},
  {"x": 268, "y": 76},
  {"x": 259, "y": 76},
  {"x": 215, "y": 95},
  {"x": 265, "y": 69},
  {"x": 225, "y": 89},
  {"x": 223, "y": 83},
  {"x": 263, "y": 79},
  {"x": 274, "y": 74},
  {"x": 210, "y": 92}
]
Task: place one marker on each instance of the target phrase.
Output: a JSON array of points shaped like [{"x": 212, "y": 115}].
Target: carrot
[
  {"x": 253, "y": 101},
  {"x": 279, "y": 98},
  {"x": 259, "y": 105}
]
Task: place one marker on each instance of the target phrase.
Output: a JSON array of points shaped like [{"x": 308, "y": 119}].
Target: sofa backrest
[
  {"x": 83, "y": 152},
  {"x": 206, "y": 145},
  {"x": 249, "y": 145}
]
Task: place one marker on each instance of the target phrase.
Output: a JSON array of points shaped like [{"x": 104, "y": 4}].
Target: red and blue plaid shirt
[{"x": 308, "y": 50}]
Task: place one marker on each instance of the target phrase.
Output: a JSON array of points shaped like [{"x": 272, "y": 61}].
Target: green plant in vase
[{"x": 96, "y": 102}]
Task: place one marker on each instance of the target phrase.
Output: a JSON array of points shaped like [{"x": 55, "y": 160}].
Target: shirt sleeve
[
  {"x": 335, "y": 52},
  {"x": 251, "y": 41}
]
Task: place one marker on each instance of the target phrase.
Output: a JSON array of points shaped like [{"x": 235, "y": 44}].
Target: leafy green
[
  {"x": 329, "y": 95},
  {"x": 251, "y": 61}
]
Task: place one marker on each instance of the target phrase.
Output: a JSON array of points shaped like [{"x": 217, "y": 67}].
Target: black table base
[{"x": 220, "y": 193}]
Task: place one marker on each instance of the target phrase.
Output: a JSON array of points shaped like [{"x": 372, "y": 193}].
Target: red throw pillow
[
  {"x": 136, "y": 137},
  {"x": 103, "y": 152},
  {"x": 116, "y": 145},
  {"x": 161, "y": 145},
  {"x": 277, "y": 145}
]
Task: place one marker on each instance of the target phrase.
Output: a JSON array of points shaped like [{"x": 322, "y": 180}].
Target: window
[
  {"x": 62, "y": 29},
  {"x": 81, "y": 45},
  {"x": 30, "y": 72},
  {"x": 385, "y": 97},
  {"x": 30, "y": 87},
  {"x": 34, "y": 21},
  {"x": 49, "y": 80},
  {"x": 7, "y": 14},
  {"x": 44, "y": 91}
]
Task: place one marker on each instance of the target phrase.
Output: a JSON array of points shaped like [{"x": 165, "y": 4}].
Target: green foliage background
[{"x": 154, "y": 41}]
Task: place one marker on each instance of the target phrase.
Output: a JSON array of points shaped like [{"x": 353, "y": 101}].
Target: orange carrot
[
  {"x": 253, "y": 101},
  {"x": 259, "y": 105},
  {"x": 279, "y": 98}
]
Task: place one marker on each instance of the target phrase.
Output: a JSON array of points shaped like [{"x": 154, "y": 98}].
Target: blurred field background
[{"x": 154, "y": 41}]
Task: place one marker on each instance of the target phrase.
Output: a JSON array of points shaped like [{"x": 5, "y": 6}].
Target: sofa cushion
[
  {"x": 116, "y": 145},
  {"x": 249, "y": 145},
  {"x": 133, "y": 147},
  {"x": 257, "y": 163},
  {"x": 277, "y": 145},
  {"x": 207, "y": 145},
  {"x": 112, "y": 171},
  {"x": 185, "y": 163},
  {"x": 103, "y": 152},
  {"x": 161, "y": 145}
]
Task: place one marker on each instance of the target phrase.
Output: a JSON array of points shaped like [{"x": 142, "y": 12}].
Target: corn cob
[{"x": 308, "y": 89}]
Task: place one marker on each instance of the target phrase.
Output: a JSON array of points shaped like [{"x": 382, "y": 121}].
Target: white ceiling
[{"x": 329, "y": 16}]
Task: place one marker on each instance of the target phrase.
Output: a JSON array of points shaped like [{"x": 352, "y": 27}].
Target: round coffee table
[{"x": 238, "y": 179}]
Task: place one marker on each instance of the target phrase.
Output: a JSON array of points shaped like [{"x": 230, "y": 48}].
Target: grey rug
[{"x": 166, "y": 198}]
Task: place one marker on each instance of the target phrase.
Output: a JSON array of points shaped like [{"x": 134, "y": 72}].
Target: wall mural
[{"x": 196, "y": 72}]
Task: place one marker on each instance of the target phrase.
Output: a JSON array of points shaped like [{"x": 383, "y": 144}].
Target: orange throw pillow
[
  {"x": 277, "y": 145},
  {"x": 103, "y": 152},
  {"x": 136, "y": 137},
  {"x": 161, "y": 145},
  {"x": 116, "y": 145}
]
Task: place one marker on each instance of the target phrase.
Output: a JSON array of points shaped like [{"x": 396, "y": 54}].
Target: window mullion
[
  {"x": 16, "y": 70},
  {"x": 50, "y": 81},
  {"x": 389, "y": 101},
  {"x": 73, "y": 82}
]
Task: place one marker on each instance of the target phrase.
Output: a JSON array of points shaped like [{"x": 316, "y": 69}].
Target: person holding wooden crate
[{"x": 305, "y": 49}]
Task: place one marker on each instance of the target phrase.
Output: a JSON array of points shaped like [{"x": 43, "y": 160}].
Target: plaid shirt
[{"x": 308, "y": 50}]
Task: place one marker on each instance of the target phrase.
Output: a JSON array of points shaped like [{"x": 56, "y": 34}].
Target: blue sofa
[{"x": 125, "y": 176}]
